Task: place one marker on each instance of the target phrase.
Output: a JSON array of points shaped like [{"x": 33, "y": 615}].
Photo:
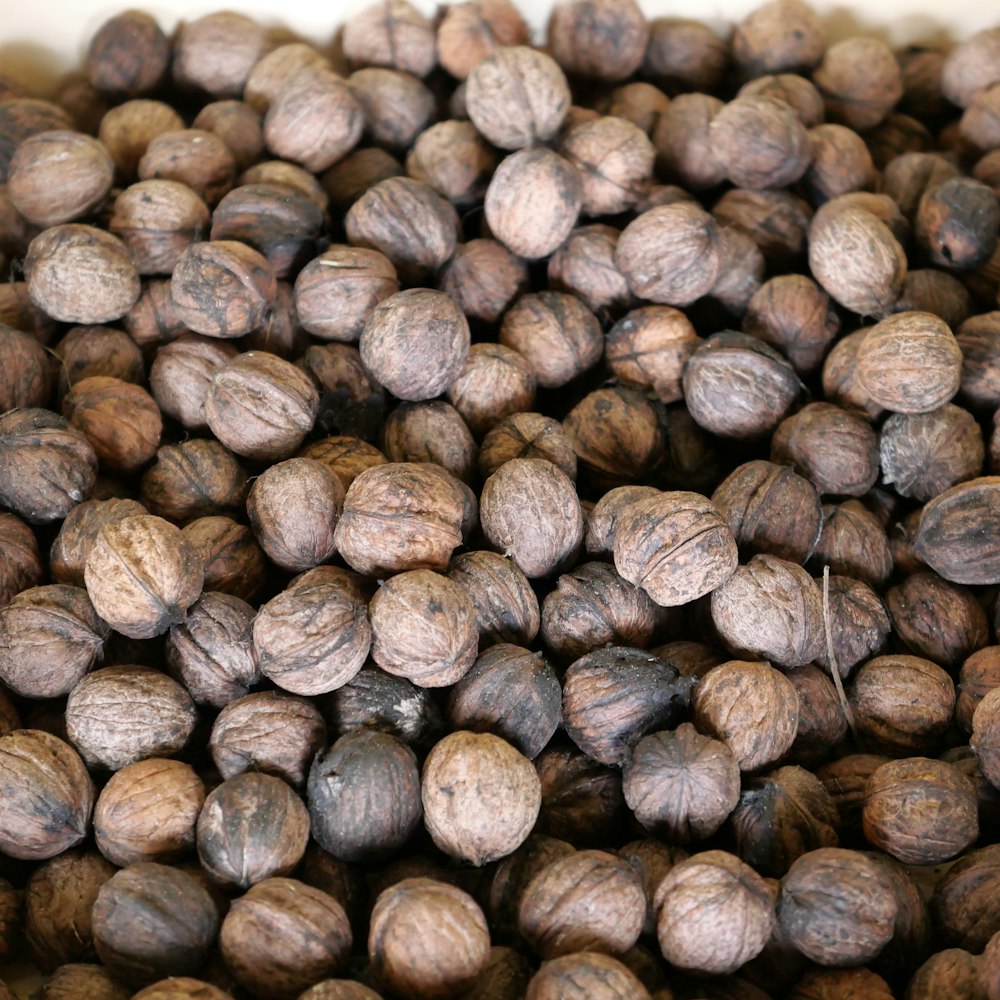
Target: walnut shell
[
  {"x": 480, "y": 796},
  {"x": 233, "y": 562},
  {"x": 148, "y": 811},
  {"x": 342, "y": 780},
  {"x": 586, "y": 976},
  {"x": 450, "y": 951},
  {"x": 142, "y": 575},
  {"x": 269, "y": 732},
  {"x": 751, "y": 707},
  {"x": 716, "y": 913}
]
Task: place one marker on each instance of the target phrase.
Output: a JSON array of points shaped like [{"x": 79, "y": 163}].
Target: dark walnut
[
  {"x": 651, "y": 860},
  {"x": 715, "y": 913},
  {"x": 965, "y": 902},
  {"x": 822, "y": 722},
  {"x": 603, "y": 40},
  {"x": 415, "y": 343},
  {"x": 840, "y": 376},
  {"x": 736, "y": 386},
  {"x": 148, "y": 811},
  {"x": 534, "y": 229},
  {"x": 594, "y": 607},
  {"x": 506, "y": 606},
  {"x": 582, "y": 800},
  {"x": 751, "y": 707},
  {"x": 314, "y": 636},
  {"x": 938, "y": 620},
  {"x": 924, "y": 454},
  {"x": 142, "y": 575},
  {"x": 953, "y": 971},
  {"x": 587, "y": 901},
  {"x": 401, "y": 516},
  {"x": 937, "y": 292},
  {"x": 836, "y": 449},
  {"x": 269, "y": 732},
  {"x": 955, "y": 531},
  {"x": 676, "y": 546},
  {"x": 79, "y": 274},
  {"x": 618, "y": 436},
  {"x": 58, "y": 900},
  {"x": 120, "y": 420},
  {"x": 854, "y": 544},
  {"x": 541, "y": 534},
  {"x": 251, "y": 827},
  {"x": 484, "y": 278},
  {"x": 831, "y": 984},
  {"x": 979, "y": 675},
  {"x": 910, "y": 363},
  {"x": 837, "y": 907},
  {"x": 957, "y": 223},
  {"x": 683, "y": 143},
  {"x": 364, "y": 796},
  {"x": 649, "y": 347},
  {"x": 866, "y": 281},
  {"x": 46, "y": 466},
  {"x": 222, "y": 288},
  {"x": 314, "y": 943},
  {"x": 585, "y": 976},
  {"x": 348, "y": 179},
  {"x": 119, "y": 715},
  {"x": 373, "y": 699},
  {"x": 196, "y": 478},
  {"x": 615, "y": 696},
  {"x": 294, "y": 507},
  {"x": 153, "y": 320},
  {"x": 778, "y": 222},
  {"x": 556, "y": 333},
  {"x": 979, "y": 340},
  {"x": 423, "y": 628},
  {"x": 211, "y": 651},
  {"x": 770, "y": 609},
  {"x": 669, "y": 254},
  {"x": 232, "y": 560},
  {"x": 139, "y": 938},
  {"x": 684, "y": 55},
  {"x": 10, "y": 918},
  {"x": 336, "y": 292},
  {"x": 681, "y": 785},
  {"x": 128, "y": 55},
  {"x": 985, "y": 738},
  {"x": 49, "y": 638},
  {"x": 48, "y": 795},
  {"x": 770, "y": 509},
  {"x": 407, "y": 221},
  {"x": 448, "y": 952},
  {"x": 513, "y": 874},
  {"x": 921, "y": 811},
  {"x": 26, "y": 374},
  {"x": 511, "y": 692},
  {"x": 481, "y": 797},
  {"x": 902, "y": 705},
  {"x": 780, "y": 816},
  {"x": 261, "y": 406},
  {"x": 517, "y": 97}
]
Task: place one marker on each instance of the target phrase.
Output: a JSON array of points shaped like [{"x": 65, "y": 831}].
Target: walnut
[
  {"x": 118, "y": 715},
  {"x": 148, "y": 811},
  {"x": 715, "y": 913},
  {"x": 751, "y": 707},
  {"x": 341, "y": 784},
  {"x": 450, "y": 951},
  {"x": 142, "y": 575},
  {"x": 585, "y": 976},
  {"x": 128, "y": 55},
  {"x": 233, "y": 563},
  {"x": 480, "y": 796},
  {"x": 269, "y": 732}
]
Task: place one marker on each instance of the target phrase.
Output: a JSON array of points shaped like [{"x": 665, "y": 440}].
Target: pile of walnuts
[{"x": 485, "y": 521}]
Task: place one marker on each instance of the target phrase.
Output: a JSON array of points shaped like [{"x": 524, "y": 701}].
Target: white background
[{"x": 43, "y": 38}]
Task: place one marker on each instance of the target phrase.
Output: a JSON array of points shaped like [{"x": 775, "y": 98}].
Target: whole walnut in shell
[
  {"x": 142, "y": 575},
  {"x": 481, "y": 797},
  {"x": 715, "y": 913},
  {"x": 506, "y": 606},
  {"x": 585, "y": 976}
]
